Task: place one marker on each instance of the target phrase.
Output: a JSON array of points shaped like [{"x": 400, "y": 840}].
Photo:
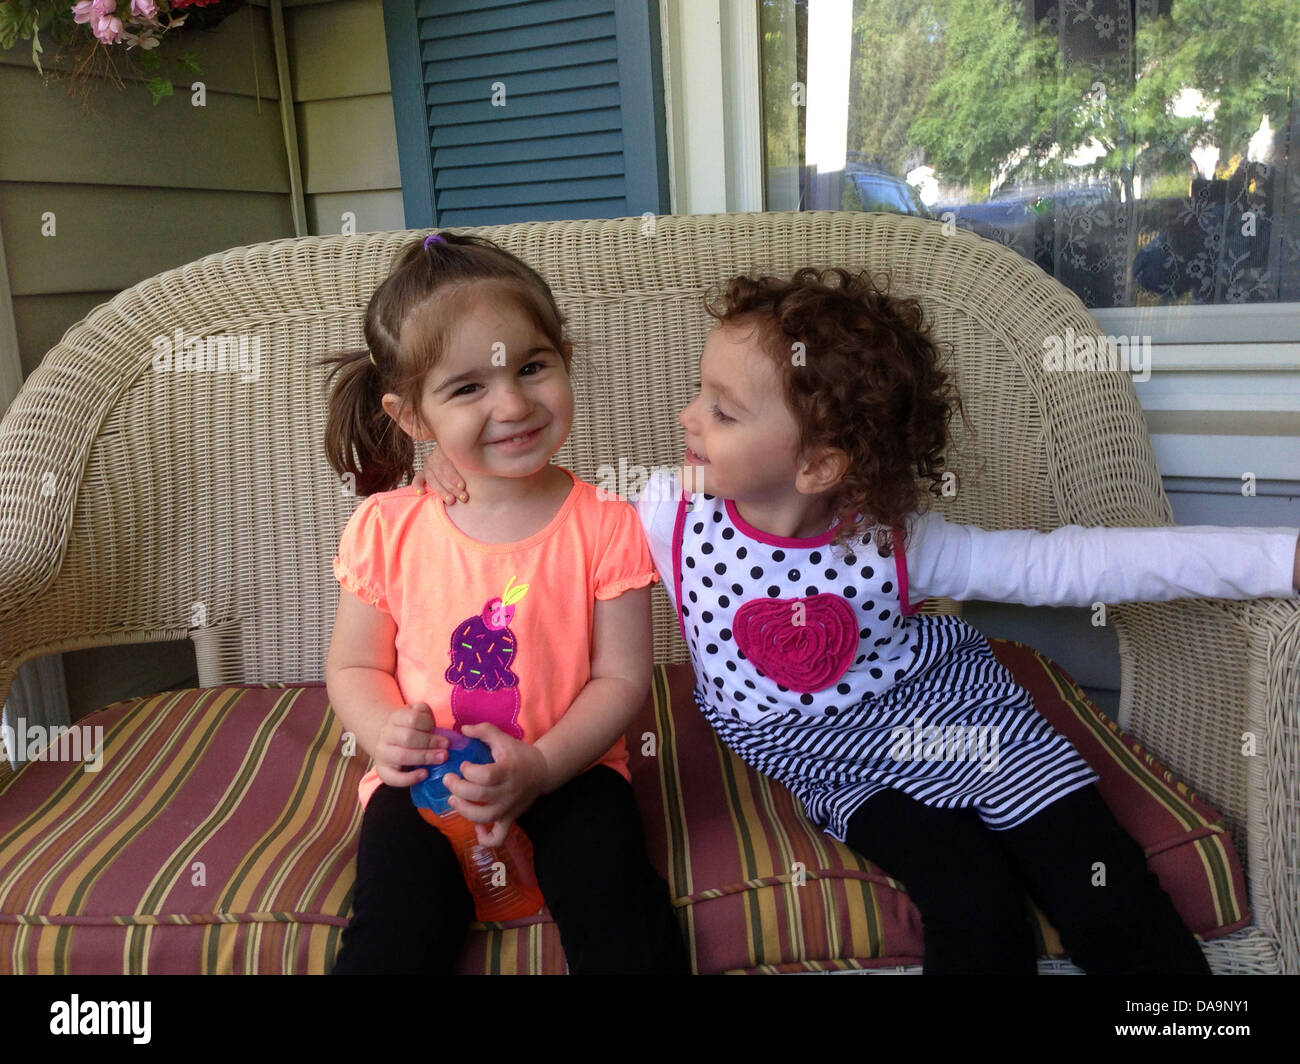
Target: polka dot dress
[{"x": 810, "y": 666}]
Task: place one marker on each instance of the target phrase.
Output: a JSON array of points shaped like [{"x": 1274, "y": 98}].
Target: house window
[{"x": 1142, "y": 152}]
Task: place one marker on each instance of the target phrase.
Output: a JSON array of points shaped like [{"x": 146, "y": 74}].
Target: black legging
[
  {"x": 969, "y": 884},
  {"x": 411, "y": 908}
]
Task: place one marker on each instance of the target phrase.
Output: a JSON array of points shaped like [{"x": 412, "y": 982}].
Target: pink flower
[
  {"x": 82, "y": 12},
  {"x": 109, "y": 30},
  {"x": 103, "y": 8},
  {"x": 144, "y": 8}
]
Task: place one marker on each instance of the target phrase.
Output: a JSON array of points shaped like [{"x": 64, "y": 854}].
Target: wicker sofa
[{"x": 220, "y": 833}]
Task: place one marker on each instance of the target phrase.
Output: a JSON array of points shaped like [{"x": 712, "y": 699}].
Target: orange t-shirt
[{"x": 496, "y": 632}]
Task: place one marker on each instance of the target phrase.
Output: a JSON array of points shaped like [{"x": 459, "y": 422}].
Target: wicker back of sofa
[{"x": 168, "y": 503}]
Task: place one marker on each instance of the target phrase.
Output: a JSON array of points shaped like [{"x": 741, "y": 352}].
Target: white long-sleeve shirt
[
  {"x": 1070, "y": 566},
  {"x": 1077, "y": 566}
]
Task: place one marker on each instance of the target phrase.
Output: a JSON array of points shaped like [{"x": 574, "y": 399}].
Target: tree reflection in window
[{"x": 1143, "y": 152}]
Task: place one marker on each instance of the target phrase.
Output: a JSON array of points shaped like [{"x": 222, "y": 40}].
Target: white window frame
[{"x": 714, "y": 98}]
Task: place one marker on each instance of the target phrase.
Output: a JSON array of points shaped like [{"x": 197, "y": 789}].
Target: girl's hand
[
  {"x": 441, "y": 476},
  {"x": 407, "y": 739},
  {"x": 501, "y": 791}
]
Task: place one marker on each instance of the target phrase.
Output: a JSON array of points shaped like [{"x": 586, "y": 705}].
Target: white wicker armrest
[{"x": 1212, "y": 688}]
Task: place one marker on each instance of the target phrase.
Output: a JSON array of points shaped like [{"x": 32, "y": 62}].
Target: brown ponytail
[{"x": 360, "y": 438}]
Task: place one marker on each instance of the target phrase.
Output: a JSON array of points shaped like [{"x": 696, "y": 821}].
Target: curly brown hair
[{"x": 868, "y": 383}]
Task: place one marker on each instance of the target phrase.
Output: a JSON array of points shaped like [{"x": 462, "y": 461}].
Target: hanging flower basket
[{"x": 94, "y": 33}]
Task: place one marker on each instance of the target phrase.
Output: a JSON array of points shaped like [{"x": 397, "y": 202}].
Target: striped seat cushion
[{"x": 219, "y": 836}]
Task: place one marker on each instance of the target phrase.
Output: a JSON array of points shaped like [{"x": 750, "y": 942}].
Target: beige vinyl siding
[
  {"x": 137, "y": 189},
  {"x": 344, "y": 112}
]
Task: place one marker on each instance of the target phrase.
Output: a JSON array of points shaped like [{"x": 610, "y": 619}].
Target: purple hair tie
[{"x": 432, "y": 238}]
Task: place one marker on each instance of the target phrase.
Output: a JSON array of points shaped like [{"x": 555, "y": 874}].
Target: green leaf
[
  {"x": 158, "y": 88},
  {"x": 11, "y": 23},
  {"x": 189, "y": 61},
  {"x": 149, "y": 59}
]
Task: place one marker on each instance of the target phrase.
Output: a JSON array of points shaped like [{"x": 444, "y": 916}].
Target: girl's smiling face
[
  {"x": 739, "y": 424},
  {"x": 499, "y": 402}
]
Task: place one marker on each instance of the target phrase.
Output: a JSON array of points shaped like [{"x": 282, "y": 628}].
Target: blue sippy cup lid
[{"x": 431, "y": 793}]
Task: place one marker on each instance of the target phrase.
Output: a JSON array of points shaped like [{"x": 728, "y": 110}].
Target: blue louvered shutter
[{"x": 580, "y": 133}]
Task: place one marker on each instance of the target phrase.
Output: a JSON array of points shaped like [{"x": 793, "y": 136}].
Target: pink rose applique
[{"x": 804, "y": 644}]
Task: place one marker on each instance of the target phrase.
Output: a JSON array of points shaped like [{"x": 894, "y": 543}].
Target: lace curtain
[{"x": 1233, "y": 235}]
